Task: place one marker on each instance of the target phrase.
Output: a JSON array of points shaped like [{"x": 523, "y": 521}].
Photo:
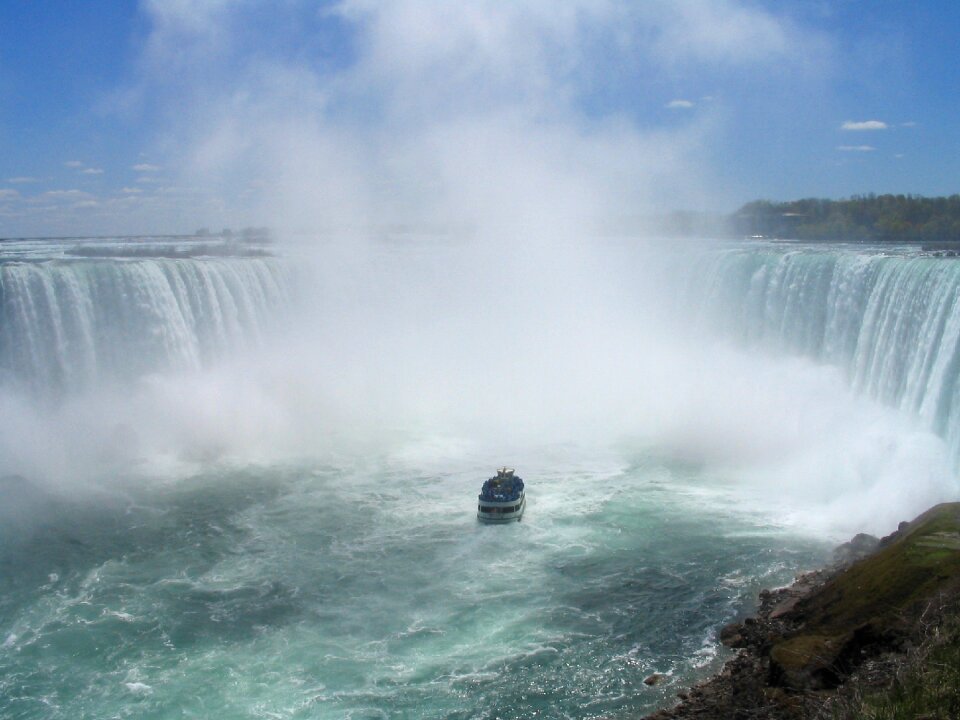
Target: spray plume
[{"x": 506, "y": 327}]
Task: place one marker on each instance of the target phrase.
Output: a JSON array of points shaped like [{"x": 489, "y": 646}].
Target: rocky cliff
[{"x": 838, "y": 637}]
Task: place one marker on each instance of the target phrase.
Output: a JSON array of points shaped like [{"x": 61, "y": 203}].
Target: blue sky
[{"x": 167, "y": 116}]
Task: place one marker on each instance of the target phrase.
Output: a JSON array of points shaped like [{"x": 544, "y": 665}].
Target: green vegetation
[
  {"x": 878, "y": 639},
  {"x": 903, "y": 599},
  {"x": 896, "y": 580},
  {"x": 927, "y": 687},
  {"x": 862, "y": 217}
]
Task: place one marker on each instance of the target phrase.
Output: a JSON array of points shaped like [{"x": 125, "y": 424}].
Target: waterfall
[
  {"x": 68, "y": 323},
  {"x": 890, "y": 320}
]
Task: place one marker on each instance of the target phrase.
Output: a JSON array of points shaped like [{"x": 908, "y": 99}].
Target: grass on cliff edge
[
  {"x": 894, "y": 582},
  {"x": 884, "y": 594},
  {"x": 911, "y": 586},
  {"x": 928, "y": 686}
]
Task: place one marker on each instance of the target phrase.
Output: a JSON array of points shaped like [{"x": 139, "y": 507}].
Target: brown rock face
[
  {"x": 807, "y": 662},
  {"x": 809, "y": 639}
]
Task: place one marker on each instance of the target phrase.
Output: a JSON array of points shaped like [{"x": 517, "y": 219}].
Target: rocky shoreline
[{"x": 838, "y": 633}]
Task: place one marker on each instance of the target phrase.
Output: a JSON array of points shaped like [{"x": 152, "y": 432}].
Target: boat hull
[{"x": 489, "y": 511}]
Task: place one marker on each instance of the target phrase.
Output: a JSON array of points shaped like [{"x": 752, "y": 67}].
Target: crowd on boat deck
[{"x": 502, "y": 488}]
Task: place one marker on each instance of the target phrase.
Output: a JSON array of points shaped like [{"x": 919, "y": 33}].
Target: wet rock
[
  {"x": 861, "y": 546},
  {"x": 895, "y": 535},
  {"x": 654, "y": 679},
  {"x": 732, "y": 636},
  {"x": 784, "y": 608},
  {"x": 839, "y": 630},
  {"x": 807, "y": 662}
]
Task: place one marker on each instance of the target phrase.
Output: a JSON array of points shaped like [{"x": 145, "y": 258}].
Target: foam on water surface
[
  {"x": 358, "y": 592},
  {"x": 221, "y": 501}
]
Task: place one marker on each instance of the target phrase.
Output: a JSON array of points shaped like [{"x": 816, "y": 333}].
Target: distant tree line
[{"x": 861, "y": 217}]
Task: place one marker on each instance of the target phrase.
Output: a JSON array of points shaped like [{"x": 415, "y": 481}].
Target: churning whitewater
[
  {"x": 890, "y": 318},
  {"x": 245, "y": 485},
  {"x": 66, "y": 323}
]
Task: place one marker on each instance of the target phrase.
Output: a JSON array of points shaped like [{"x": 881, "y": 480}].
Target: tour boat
[{"x": 502, "y": 498}]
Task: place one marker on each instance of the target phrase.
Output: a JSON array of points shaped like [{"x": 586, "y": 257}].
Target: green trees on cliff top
[{"x": 861, "y": 217}]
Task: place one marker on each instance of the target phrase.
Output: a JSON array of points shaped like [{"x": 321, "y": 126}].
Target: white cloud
[
  {"x": 8, "y": 193},
  {"x": 679, "y": 104},
  {"x": 723, "y": 33},
  {"x": 73, "y": 164},
  {"x": 445, "y": 109},
  {"x": 908, "y": 124},
  {"x": 186, "y": 32},
  {"x": 72, "y": 194},
  {"x": 146, "y": 179},
  {"x": 450, "y": 109},
  {"x": 22, "y": 180},
  {"x": 131, "y": 190},
  {"x": 864, "y": 125},
  {"x": 856, "y": 148},
  {"x": 92, "y": 171}
]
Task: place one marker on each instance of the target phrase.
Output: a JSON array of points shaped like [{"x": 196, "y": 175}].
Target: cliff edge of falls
[{"x": 877, "y": 635}]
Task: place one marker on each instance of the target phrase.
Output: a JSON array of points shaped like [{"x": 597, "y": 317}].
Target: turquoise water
[
  {"x": 369, "y": 590},
  {"x": 245, "y": 487}
]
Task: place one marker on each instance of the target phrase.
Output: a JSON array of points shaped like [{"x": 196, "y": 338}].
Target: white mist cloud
[
  {"x": 720, "y": 31},
  {"x": 473, "y": 113},
  {"x": 679, "y": 104},
  {"x": 864, "y": 125},
  {"x": 856, "y": 148},
  {"x": 72, "y": 194}
]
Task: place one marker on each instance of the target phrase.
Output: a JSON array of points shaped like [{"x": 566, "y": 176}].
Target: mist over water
[
  {"x": 288, "y": 526},
  {"x": 237, "y": 486},
  {"x": 473, "y": 344},
  {"x": 315, "y": 592}
]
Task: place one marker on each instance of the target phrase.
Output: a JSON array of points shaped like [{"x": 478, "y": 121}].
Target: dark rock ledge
[{"x": 835, "y": 633}]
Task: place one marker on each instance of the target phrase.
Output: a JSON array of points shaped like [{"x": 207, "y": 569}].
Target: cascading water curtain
[
  {"x": 890, "y": 322},
  {"x": 65, "y": 324}
]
